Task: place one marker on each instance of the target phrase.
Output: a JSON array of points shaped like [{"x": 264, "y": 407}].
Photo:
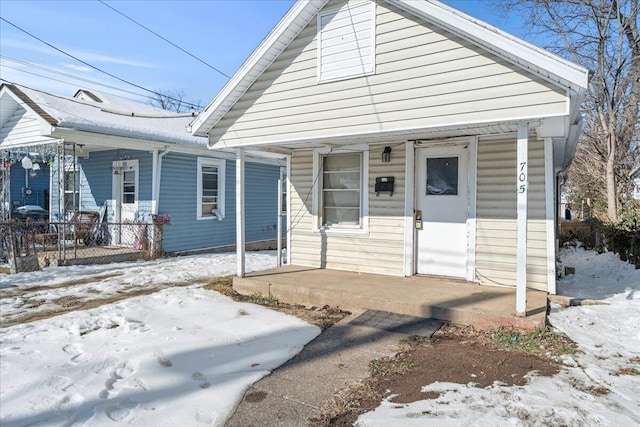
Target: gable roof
[
  {"x": 566, "y": 74},
  {"x": 99, "y": 114}
]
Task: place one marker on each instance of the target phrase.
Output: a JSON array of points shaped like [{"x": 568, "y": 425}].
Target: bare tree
[
  {"x": 172, "y": 100},
  {"x": 601, "y": 35}
]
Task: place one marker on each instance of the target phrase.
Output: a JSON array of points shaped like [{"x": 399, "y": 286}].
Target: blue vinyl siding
[
  {"x": 261, "y": 201},
  {"x": 178, "y": 198}
]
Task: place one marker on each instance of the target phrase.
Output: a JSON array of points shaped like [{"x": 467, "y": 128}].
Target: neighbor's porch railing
[{"x": 31, "y": 245}]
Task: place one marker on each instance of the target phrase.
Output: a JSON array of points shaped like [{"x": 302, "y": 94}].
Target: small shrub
[
  {"x": 534, "y": 340},
  {"x": 263, "y": 300}
]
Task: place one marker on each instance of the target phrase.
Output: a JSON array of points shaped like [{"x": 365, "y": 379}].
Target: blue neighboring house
[{"x": 131, "y": 161}]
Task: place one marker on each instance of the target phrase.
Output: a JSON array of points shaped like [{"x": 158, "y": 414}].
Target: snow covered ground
[
  {"x": 185, "y": 356},
  {"x": 592, "y": 390},
  {"x": 181, "y": 356}
]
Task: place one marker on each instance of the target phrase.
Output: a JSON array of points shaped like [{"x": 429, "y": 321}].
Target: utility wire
[
  {"x": 54, "y": 71},
  {"x": 98, "y": 69},
  {"x": 168, "y": 41}
]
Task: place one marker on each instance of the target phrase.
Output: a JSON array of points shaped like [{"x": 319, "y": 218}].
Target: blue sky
[{"x": 221, "y": 33}]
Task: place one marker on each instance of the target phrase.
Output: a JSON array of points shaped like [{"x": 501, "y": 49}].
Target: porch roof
[{"x": 96, "y": 119}]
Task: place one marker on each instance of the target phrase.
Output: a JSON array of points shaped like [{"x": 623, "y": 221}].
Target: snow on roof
[{"x": 111, "y": 115}]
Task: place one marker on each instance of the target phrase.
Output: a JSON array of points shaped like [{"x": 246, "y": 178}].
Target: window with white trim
[
  {"x": 346, "y": 41},
  {"x": 72, "y": 190},
  {"x": 211, "y": 174},
  {"x": 342, "y": 194}
]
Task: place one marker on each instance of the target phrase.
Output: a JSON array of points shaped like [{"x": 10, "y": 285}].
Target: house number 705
[{"x": 522, "y": 178}]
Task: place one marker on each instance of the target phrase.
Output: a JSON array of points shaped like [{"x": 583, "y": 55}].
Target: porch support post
[
  {"x": 288, "y": 231},
  {"x": 472, "y": 185},
  {"x": 154, "y": 182},
  {"x": 279, "y": 223},
  {"x": 240, "y": 242},
  {"x": 550, "y": 208},
  {"x": 409, "y": 215},
  {"x": 521, "y": 219}
]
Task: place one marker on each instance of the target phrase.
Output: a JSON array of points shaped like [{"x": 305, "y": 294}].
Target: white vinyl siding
[
  {"x": 496, "y": 214},
  {"x": 22, "y": 128},
  {"x": 423, "y": 77},
  {"x": 210, "y": 188},
  {"x": 346, "y": 41},
  {"x": 381, "y": 251}
]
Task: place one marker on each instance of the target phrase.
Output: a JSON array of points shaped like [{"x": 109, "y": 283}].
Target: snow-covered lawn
[
  {"x": 599, "y": 386},
  {"x": 49, "y": 290},
  {"x": 179, "y": 357},
  {"x": 185, "y": 356}
]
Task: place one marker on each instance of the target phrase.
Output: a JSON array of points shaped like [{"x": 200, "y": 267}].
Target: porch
[{"x": 452, "y": 300}]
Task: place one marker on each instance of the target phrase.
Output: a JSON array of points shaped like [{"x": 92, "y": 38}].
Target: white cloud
[{"x": 81, "y": 68}]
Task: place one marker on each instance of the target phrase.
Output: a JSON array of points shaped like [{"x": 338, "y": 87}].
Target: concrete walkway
[{"x": 295, "y": 393}]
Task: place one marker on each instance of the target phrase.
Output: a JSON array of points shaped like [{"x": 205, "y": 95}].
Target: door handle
[{"x": 418, "y": 219}]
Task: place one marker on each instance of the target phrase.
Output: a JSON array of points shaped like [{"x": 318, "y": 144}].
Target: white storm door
[
  {"x": 125, "y": 197},
  {"x": 442, "y": 199}
]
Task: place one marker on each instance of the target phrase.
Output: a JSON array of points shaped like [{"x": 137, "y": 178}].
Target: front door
[
  {"x": 442, "y": 200},
  {"x": 125, "y": 197}
]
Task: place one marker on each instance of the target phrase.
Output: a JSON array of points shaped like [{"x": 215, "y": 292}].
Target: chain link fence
[{"x": 31, "y": 245}]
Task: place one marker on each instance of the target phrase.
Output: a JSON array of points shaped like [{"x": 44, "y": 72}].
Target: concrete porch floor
[{"x": 452, "y": 300}]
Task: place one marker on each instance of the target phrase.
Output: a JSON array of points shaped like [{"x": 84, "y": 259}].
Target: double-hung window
[
  {"x": 342, "y": 193},
  {"x": 72, "y": 190},
  {"x": 211, "y": 173}
]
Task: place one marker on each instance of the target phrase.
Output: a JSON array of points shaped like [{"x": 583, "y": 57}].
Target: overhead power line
[
  {"x": 99, "y": 69},
  {"x": 168, "y": 41},
  {"x": 60, "y": 73}
]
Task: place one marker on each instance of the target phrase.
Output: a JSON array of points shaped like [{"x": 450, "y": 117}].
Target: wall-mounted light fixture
[{"x": 386, "y": 155}]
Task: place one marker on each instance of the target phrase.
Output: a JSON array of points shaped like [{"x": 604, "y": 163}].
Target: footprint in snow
[
  {"x": 121, "y": 410},
  {"x": 164, "y": 361},
  {"x": 59, "y": 382},
  {"x": 206, "y": 417},
  {"x": 202, "y": 379},
  {"x": 76, "y": 352}
]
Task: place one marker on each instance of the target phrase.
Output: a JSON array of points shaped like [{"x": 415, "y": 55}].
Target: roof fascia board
[
  {"x": 513, "y": 49},
  {"x": 105, "y": 140},
  {"x": 270, "y": 48}
]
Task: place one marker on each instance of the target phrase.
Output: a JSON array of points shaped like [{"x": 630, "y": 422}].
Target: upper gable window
[{"x": 346, "y": 41}]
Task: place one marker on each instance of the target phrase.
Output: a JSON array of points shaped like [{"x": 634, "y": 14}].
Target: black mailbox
[{"x": 384, "y": 184}]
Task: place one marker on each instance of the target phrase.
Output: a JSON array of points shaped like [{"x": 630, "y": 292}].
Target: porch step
[{"x": 458, "y": 302}]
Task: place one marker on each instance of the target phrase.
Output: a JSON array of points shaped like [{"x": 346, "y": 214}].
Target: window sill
[
  {"x": 219, "y": 217},
  {"x": 342, "y": 231}
]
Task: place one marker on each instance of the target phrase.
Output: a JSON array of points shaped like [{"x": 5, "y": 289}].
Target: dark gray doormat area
[{"x": 393, "y": 322}]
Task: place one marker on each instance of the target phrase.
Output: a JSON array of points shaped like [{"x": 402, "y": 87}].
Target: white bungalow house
[{"x": 420, "y": 140}]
